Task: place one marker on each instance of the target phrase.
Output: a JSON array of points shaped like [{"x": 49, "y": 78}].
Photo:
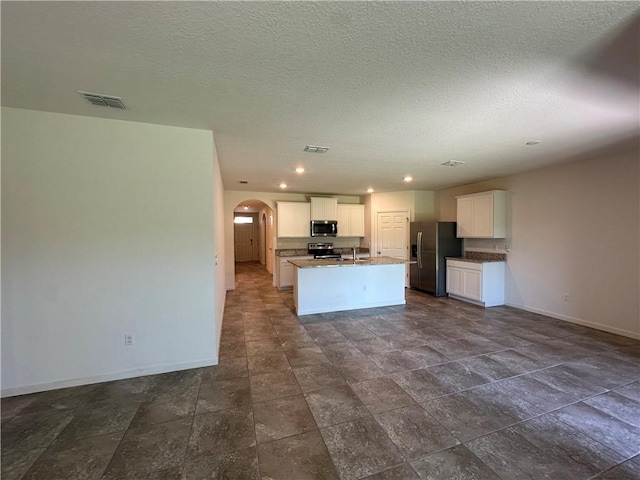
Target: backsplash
[
  {"x": 485, "y": 256},
  {"x": 491, "y": 245},
  {"x": 298, "y": 252},
  {"x": 343, "y": 242}
]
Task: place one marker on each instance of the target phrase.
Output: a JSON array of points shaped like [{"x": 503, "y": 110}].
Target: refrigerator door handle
[{"x": 419, "y": 249}]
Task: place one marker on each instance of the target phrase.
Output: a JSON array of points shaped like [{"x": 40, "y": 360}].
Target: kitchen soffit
[{"x": 394, "y": 88}]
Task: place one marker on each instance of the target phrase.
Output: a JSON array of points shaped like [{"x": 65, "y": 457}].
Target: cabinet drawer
[{"x": 463, "y": 264}]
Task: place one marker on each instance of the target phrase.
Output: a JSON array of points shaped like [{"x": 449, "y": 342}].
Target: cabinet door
[
  {"x": 464, "y": 217},
  {"x": 472, "y": 284},
  {"x": 286, "y": 275},
  {"x": 285, "y": 219},
  {"x": 301, "y": 225},
  {"x": 454, "y": 280},
  {"x": 330, "y": 209},
  {"x": 317, "y": 209},
  {"x": 356, "y": 221},
  {"x": 324, "y": 208},
  {"x": 344, "y": 220},
  {"x": 483, "y": 216}
]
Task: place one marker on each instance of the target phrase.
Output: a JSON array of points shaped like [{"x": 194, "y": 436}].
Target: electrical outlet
[{"x": 128, "y": 339}]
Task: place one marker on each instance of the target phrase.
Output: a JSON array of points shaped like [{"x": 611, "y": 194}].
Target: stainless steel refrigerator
[{"x": 431, "y": 242}]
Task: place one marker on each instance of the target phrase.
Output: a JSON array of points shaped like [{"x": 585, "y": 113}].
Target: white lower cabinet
[
  {"x": 480, "y": 283},
  {"x": 284, "y": 271}
]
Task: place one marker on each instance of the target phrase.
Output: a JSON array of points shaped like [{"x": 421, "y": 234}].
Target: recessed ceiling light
[
  {"x": 408, "y": 178},
  {"x": 452, "y": 163},
  {"x": 315, "y": 149},
  {"x": 283, "y": 185},
  {"x": 300, "y": 170},
  {"x": 245, "y": 207},
  {"x": 533, "y": 142},
  {"x": 369, "y": 190}
]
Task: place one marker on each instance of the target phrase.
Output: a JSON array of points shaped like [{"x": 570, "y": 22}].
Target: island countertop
[{"x": 346, "y": 262}]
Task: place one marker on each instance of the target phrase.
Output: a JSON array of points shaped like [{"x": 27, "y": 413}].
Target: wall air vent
[
  {"x": 315, "y": 149},
  {"x": 103, "y": 100},
  {"x": 452, "y": 163}
]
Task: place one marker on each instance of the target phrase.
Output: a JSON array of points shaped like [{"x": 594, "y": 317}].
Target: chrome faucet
[{"x": 354, "y": 254}]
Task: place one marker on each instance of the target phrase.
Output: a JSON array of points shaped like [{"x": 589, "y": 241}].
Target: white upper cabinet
[
  {"x": 293, "y": 219},
  {"x": 323, "y": 208},
  {"x": 350, "y": 220},
  {"x": 482, "y": 215}
]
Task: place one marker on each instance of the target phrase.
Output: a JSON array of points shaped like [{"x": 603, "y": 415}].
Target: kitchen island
[{"x": 330, "y": 285}]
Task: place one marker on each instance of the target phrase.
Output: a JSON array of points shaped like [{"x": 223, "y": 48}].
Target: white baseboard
[
  {"x": 136, "y": 372},
  {"x": 578, "y": 321},
  {"x": 468, "y": 300}
]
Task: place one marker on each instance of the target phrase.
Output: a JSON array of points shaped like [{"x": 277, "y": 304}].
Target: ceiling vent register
[
  {"x": 103, "y": 100},
  {"x": 315, "y": 149}
]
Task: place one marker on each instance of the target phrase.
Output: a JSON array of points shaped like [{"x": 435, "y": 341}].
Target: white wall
[
  {"x": 573, "y": 229},
  {"x": 421, "y": 205},
  {"x": 219, "y": 246},
  {"x": 425, "y": 206},
  {"x": 108, "y": 228},
  {"x": 269, "y": 236},
  {"x": 233, "y": 198}
]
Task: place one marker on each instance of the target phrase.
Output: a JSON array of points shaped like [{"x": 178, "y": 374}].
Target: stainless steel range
[{"x": 322, "y": 250}]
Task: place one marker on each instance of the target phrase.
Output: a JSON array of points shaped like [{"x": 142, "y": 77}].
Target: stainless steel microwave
[{"x": 324, "y": 228}]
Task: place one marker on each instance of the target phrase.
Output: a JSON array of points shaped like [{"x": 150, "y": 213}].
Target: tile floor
[{"x": 436, "y": 389}]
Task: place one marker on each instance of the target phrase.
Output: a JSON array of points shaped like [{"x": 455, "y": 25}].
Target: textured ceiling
[{"x": 392, "y": 88}]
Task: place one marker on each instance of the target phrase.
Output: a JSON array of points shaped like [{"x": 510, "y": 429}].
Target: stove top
[{"x": 322, "y": 250}]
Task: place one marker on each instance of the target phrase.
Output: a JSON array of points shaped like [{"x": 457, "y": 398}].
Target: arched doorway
[
  {"x": 263, "y": 238},
  {"x": 253, "y": 233}
]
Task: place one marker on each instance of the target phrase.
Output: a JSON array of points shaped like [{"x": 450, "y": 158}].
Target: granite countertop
[
  {"x": 347, "y": 262},
  {"x": 480, "y": 257},
  {"x": 303, "y": 252}
]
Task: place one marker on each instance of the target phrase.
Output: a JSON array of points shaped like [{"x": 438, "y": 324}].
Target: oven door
[{"x": 324, "y": 228}]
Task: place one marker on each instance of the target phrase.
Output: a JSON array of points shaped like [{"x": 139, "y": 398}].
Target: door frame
[
  {"x": 255, "y": 233},
  {"x": 407, "y": 214}
]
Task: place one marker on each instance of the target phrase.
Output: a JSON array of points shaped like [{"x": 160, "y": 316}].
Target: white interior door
[{"x": 392, "y": 234}]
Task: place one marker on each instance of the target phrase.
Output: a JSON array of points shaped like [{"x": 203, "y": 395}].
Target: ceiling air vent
[
  {"x": 315, "y": 149},
  {"x": 103, "y": 100},
  {"x": 452, "y": 163}
]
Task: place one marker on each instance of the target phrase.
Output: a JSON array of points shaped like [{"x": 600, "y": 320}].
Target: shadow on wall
[{"x": 618, "y": 59}]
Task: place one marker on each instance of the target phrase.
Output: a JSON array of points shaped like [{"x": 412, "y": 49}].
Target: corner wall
[
  {"x": 574, "y": 230},
  {"x": 108, "y": 228}
]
